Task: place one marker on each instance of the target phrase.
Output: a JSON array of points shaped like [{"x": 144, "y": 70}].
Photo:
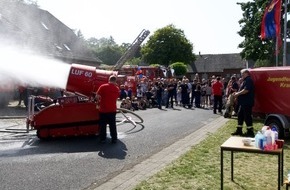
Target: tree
[
  {"x": 109, "y": 54},
  {"x": 106, "y": 49},
  {"x": 179, "y": 68},
  {"x": 79, "y": 34},
  {"x": 263, "y": 63},
  {"x": 253, "y": 47},
  {"x": 166, "y": 46},
  {"x": 134, "y": 61},
  {"x": 101, "y": 43}
]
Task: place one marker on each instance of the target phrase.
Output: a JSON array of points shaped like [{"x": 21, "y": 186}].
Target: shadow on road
[{"x": 35, "y": 146}]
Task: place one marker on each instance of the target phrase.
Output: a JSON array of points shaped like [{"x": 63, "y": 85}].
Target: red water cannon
[
  {"x": 86, "y": 80},
  {"x": 75, "y": 114}
]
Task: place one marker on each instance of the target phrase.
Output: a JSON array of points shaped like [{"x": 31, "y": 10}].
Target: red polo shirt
[
  {"x": 217, "y": 88},
  {"x": 109, "y": 94}
]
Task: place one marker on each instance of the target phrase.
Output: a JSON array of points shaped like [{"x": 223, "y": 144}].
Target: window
[
  {"x": 44, "y": 26},
  {"x": 66, "y": 47},
  {"x": 58, "y": 47}
]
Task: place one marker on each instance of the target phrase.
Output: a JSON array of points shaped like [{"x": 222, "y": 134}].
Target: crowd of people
[
  {"x": 172, "y": 92},
  {"x": 213, "y": 93}
]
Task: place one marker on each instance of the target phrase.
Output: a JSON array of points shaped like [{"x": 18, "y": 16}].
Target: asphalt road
[{"x": 82, "y": 163}]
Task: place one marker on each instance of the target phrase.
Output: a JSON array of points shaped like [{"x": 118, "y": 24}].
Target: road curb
[{"x": 140, "y": 172}]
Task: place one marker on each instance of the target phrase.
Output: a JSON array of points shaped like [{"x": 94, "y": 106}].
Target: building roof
[
  {"x": 217, "y": 63},
  {"x": 35, "y": 29}
]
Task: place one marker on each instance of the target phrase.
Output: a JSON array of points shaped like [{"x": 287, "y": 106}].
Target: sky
[{"x": 210, "y": 25}]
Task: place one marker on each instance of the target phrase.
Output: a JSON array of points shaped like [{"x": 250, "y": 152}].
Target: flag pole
[{"x": 285, "y": 34}]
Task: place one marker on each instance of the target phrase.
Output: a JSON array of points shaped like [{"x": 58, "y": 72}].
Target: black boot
[
  {"x": 238, "y": 132},
  {"x": 249, "y": 133}
]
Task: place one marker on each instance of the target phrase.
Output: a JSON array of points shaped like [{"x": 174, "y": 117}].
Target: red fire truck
[
  {"x": 148, "y": 72},
  {"x": 129, "y": 75}
]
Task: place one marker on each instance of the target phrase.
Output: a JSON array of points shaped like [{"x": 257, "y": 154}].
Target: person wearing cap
[
  {"x": 245, "y": 98},
  {"x": 107, "y": 96}
]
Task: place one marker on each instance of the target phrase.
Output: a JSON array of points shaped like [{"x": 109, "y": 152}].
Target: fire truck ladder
[{"x": 132, "y": 49}]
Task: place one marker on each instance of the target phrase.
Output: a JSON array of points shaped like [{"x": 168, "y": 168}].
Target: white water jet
[{"x": 28, "y": 69}]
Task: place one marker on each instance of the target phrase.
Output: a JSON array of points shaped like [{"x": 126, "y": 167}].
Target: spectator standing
[
  {"x": 178, "y": 96},
  {"x": 234, "y": 87},
  {"x": 217, "y": 90},
  {"x": 106, "y": 97},
  {"x": 184, "y": 93},
  {"x": 21, "y": 90},
  {"x": 203, "y": 93},
  {"x": 171, "y": 88},
  {"x": 245, "y": 97},
  {"x": 208, "y": 92},
  {"x": 193, "y": 88},
  {"x": 159, "y": 93},
  {"x": 197, "y": 95},
  {"x": 175, "y": 90},
  {"x": 189, "y": 90}
]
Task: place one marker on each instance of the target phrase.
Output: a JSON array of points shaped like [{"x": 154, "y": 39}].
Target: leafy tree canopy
[
  {"x": 110, "y": 52},
  {"x": 253, "y": 47},
  {"x": 98, "y": 44},
  {"x": 168, "y": 45},
  {"x": 179, "y": 68}
]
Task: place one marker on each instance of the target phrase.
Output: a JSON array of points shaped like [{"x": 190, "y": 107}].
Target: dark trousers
[
  {"x": 192, "y": 97},
  {"x": 170, "y": 98},
  {"x": 217, "y": 103},
  {"x": 245, "y": 114},
  {"x": 159, "y": 102},
  {"x": 110, "y": 119},
  {"x": 197, "y": 100},
  {"x": 185, "y": 99},
  {"x": 21, "y": 97},
  {"x": 175, "y": 97}
]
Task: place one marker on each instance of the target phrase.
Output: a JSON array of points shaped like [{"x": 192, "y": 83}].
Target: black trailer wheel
[
  {"x": 38, "y": 134},
  {"x": 41, "y": 137},
  {"x": 276, "y": 124}
]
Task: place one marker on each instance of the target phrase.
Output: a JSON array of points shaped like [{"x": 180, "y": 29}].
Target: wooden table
[{"x": 235, "y": 144}]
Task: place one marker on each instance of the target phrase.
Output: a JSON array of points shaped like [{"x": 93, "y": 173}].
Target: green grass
[{"x": 199, "y": 168}]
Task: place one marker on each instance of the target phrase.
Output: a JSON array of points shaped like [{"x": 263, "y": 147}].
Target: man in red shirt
[
  {"x": 107, "y": 96},
  {"x": 217, "y": 90}
]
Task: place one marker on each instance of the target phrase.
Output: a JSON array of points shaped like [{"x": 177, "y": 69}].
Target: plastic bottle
[
  {"x": 263, "y": 142},
  {"x": 274, "y": 135},
  {"x": 268, "y": 135},
  {"x": 264, "y": 129},
  {"x": 259, "y": 140}
]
